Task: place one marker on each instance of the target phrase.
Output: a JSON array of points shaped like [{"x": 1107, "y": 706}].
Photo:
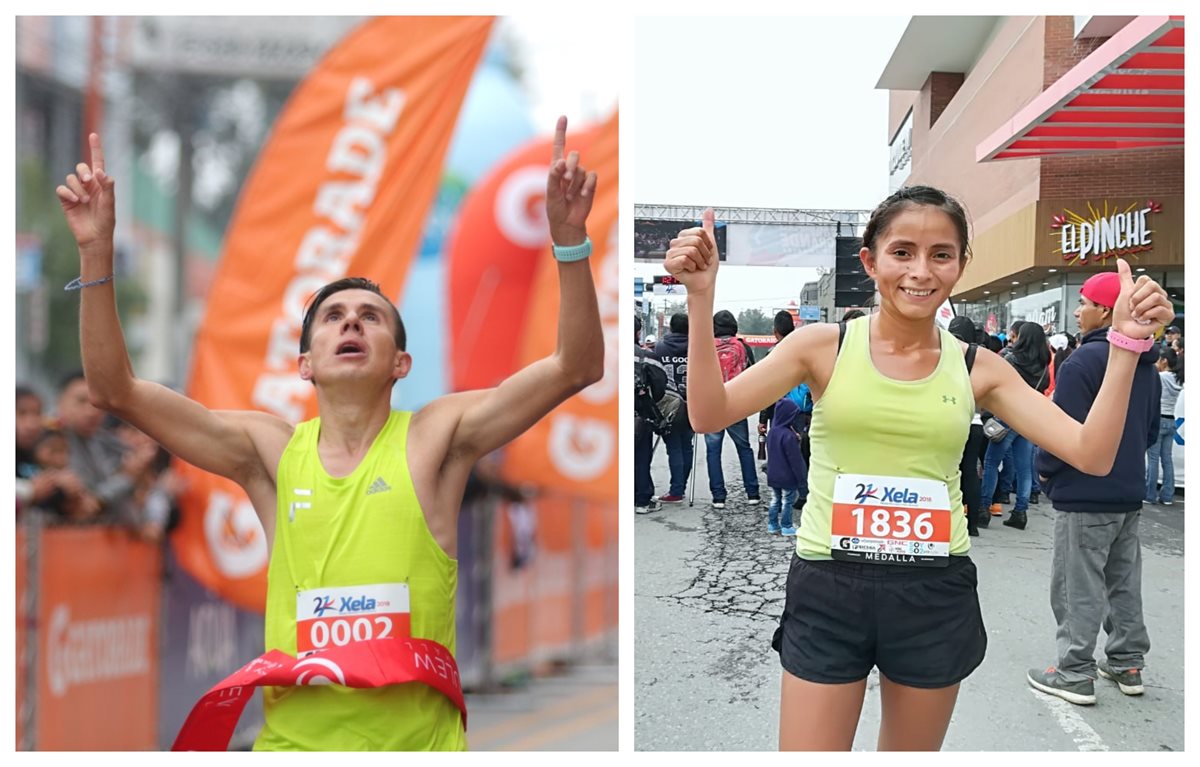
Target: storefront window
[
  {"x": 992, "y": 315},
  {"x": 1044, "y": 307}
]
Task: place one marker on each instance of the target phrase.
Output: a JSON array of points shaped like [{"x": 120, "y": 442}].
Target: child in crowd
[
  {"x": 787, "y": 474},
  {"x": 70, "y": 499}
]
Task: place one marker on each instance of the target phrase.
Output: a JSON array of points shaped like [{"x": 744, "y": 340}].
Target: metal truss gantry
[{"x": 778, "y": 216}]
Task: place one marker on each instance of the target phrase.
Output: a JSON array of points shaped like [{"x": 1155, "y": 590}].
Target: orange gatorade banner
[
  {"x": 97, "y": 675},
  {"x": 22, "y": 561},
  {"x": 342, "y": 188},
  {"x": 574, "y": 449}
]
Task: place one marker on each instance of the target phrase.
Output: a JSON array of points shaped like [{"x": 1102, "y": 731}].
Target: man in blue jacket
[{"x": 1096, "y": 576}]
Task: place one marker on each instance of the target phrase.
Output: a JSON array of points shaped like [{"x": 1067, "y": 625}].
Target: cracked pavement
[{"x": 709, "y": 588}]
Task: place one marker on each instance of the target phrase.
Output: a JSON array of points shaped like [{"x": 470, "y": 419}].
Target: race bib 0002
[
  {"x": 335, "y": 617},
  {"x": 890, "y": 520}
]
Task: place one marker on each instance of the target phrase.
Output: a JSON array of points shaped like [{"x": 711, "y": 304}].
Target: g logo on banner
[
  {"x": 519, "y": 207},
  {"x": 235, "y": 536}
]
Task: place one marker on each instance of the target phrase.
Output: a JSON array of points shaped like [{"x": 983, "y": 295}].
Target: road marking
[{"x": 1071, "y": 722}]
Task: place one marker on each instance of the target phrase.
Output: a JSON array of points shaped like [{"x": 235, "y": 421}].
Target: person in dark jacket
[
  {"x": 1030, "y": 356},
  {"x": 1096, "y": 576},
  {"x": 787, "y": 474},
  {"x": 672, "y": 352},
  {"x": 647, "y": 368},
  {"x": 783, "y": 324},
  {"x": 964, "y": 330}
]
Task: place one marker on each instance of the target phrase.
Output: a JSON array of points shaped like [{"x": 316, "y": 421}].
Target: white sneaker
[
  {"x": 753, "y": 501},
  {"x": 649, "y": 507},
  {"x": 718, "y": 504}
]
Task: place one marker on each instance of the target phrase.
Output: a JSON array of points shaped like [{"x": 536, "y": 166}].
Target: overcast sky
[
  {"x": 761, "y": 112},
  {"x": 566, "y": 77}
]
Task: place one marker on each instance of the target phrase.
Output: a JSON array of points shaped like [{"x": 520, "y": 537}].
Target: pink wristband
[{"x": 1122, "y": 341}]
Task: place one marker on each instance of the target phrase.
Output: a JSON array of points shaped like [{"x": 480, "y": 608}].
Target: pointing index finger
[
  {"x": 560, "y": 138},
  {"x": 97, "y": 152}
]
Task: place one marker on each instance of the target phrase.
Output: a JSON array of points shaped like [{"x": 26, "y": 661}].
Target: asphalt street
[
  {"x": 709, "y": 589},
  {"x": 573, "y": 709}
]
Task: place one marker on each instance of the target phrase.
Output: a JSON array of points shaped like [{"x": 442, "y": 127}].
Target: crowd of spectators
[{"x": 81, "y": 466}]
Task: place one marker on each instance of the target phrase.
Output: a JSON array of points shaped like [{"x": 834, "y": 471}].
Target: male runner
[{"x": 361, "y": 502}]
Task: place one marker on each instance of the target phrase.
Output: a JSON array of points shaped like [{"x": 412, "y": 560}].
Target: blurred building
[
  {"x": 145, "y": 84},
  {"x": 1062, "y": 135}
]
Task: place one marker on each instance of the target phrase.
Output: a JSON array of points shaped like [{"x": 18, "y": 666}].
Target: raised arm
[
  {"x": 231, "y": 444},
  {"x": 712, "y": 403},
  {"x": 492, "y": 417},
  {"x": 1091, "y": 447}
]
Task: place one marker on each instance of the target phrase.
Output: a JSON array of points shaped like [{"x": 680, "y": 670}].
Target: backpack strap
[
  {"x": 971, "y": 349},
  {"x": 841, "y": 335}
]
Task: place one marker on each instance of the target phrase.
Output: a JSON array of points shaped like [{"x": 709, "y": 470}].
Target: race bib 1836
[
  {"x": 890, "y": 520},
  {"x": 335, "y": 617}
]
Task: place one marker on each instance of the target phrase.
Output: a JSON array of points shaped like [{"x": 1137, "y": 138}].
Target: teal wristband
[{"x": 569, "y": 253}]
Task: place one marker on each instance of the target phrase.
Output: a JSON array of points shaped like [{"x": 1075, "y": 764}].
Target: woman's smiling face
[{"x": 916, "y": 261}]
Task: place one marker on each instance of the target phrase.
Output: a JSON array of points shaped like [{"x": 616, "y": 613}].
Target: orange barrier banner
[
  {"x": 22, "y": 562},
  {"x": 342, "y": 188},
  {"x": 535, "y": 607},
  {"x": 574, "y": 449},
  {"x": 600, "y": 573},
  {"x": 493, "y": 255},
  {"x": 564, "y": 597},
  {"x": 97, "y": 676}
]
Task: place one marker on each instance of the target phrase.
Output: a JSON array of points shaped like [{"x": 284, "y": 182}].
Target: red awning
[{"x": 1128, "y": 94}]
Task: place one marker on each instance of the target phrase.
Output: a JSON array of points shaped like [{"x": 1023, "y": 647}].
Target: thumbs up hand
[
  {"x": 1142, "y": 306},
  {"x": 693, "y": 256}
]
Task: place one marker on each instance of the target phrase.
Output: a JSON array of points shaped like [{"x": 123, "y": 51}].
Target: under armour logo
[
  {"x": 378, "y": 486},
  {"x": 948, "y": 399}
]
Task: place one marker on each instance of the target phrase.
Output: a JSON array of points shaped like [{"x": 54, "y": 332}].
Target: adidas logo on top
[{"x": 378, "y": 486}]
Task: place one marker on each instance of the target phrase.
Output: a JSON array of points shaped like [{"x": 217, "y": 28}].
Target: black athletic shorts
[{"x": 920, "y": 625}]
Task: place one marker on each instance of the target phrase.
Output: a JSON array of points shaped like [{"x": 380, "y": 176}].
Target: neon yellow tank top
[
  {"x": 866, "y": 423},
  {"x": 334, "y": 533}
]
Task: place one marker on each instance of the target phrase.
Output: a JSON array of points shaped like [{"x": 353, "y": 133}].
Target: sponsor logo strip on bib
[
  {"x": 890, "y": 520},
  {"x": 336, "y": 617}
]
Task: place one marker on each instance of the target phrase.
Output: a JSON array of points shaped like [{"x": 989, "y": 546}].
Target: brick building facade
[{"x": 955, "y": 82}]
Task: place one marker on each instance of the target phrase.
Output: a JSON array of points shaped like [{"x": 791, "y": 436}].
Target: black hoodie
[
  {"x": 1075, "y": 389},
  {"x": 724, "y": 324},
  {"x": 672, "y": 352}
]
